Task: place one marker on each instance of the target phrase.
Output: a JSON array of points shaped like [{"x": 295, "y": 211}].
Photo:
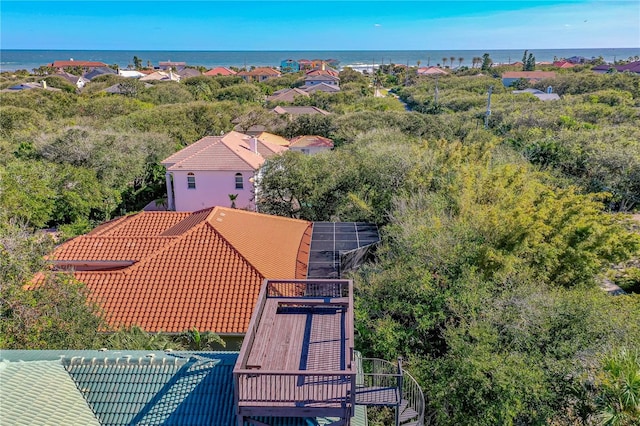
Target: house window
[
  {"x": 191, "y": 181},
  {"x": 239, "y": 181}
]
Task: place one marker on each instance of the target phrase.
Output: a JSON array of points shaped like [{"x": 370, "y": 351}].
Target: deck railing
[
  {"x": 297, "y": 388},
  {"x": 308, "y": 288},
  {"x": 298, "y": 392}
]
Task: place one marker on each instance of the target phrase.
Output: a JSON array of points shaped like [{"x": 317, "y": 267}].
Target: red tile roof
[
  {"x": 229, "y": 152},
  {"x": 261, "y": 71},
  {"x": 311, "y": 141},
  {"x": 563, "y": 64},
  {"x": 220, "y": 71},
  {"x": 201, "y": 269}
]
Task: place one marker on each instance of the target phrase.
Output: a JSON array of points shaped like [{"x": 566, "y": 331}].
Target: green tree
[
  {"x": 137, "y": 63},
  {"x": 53, "y": 314},
  {"x": 26, "y": 191},
  {"x": 486, "y": 62},
  {"x": 135, "y": 338},
  {"x": 193, "y": 340}
]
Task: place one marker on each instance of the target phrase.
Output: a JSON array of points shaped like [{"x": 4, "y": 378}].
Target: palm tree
[
  {"x": 193, "y": 340},
  {"x": 444, "y": 62},
  {"x": 460, "y": 61},
  {"x": 452, "y": 60},
  {"x": 619, "y": 385},
  {"x": 232, "y": 198},
  {"x": 135, "y": 338},
  {"x": 418, "y": 62}
]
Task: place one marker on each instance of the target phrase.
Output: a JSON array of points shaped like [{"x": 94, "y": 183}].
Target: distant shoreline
[{"x": 15, "y": 59}]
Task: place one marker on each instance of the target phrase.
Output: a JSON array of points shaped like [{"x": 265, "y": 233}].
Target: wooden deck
[
  {"x": 294, "y": 337},
  {"x": 298, "y": 353}
]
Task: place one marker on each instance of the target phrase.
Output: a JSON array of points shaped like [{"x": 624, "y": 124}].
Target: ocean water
[{"x": 11, "y": 60}]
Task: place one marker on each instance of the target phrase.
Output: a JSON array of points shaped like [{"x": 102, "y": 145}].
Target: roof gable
[
  {"x": 201, "y": 269},
  {"x": 220, "y": 71},
  {"x": 217, "y": 153},
  {"x": 270, "y": 243}
]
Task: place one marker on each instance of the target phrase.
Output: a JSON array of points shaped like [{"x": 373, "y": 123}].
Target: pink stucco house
[{"x": 207, "y": 172}]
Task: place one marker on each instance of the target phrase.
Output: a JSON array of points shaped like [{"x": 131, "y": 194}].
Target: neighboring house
[
  {"x": 287, "y": 95},
  {"x": 76, "y": 80},
  {"x": 310, "y": 144},
  {"x": 169, "y": 65},
  {"x": 431, "y": 71},
  {"x": 29, "y": 86},
  {"x": 511, "y": 77},
  {"x": 131, "y": 73},
  {"x": 324, "y": 78},
  {"x": 323, "y": 69},
  {"x": 543, "y": 96},
  {"x": 161, "y": 76},
  {"x": 220, "y": 71},
  {"x": 273, "y": 139},
  {"x": 632, "y": 67},
  {"x": 259, "y": 74},
  {"x": 289, "y": 65},
  {"x": 563, "y": 64},
  {"x": 206, "y": 172},
  {"x": 305, "y": 64},
  {"x": 123, "y": 388},
  {"x": 188, "y": 72},
  {"x": 86, "y": 65},
  {"x": 577, "y": 60},
  {"x": 299, "y": 110},
  {"x": 322, "y": 87},
  {"x": 97, "y": 72},
  {"x": 123, "y": 89}
]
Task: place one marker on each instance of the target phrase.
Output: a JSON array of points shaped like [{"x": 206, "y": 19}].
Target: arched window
[
  {"x": 191, "y": 181},
  {"x": 239, "y": 181}
]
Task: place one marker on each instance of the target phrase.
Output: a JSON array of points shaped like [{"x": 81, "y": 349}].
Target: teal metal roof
[
  {"x": 123, "y": 388},
  {"x": 57, "y": 401}
]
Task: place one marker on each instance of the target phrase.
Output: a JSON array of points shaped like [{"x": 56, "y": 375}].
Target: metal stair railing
[
  {"x": 412, "y": 393},
  {"x": 384, "y": 383}
]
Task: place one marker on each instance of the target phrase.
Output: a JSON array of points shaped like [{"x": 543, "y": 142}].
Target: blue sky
[{"x": 318, "y": 25}]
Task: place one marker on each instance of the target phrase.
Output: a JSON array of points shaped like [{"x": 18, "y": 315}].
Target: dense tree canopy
[{"x": 494, "y": 240}]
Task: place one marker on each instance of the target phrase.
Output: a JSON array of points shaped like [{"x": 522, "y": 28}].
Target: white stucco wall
[{"x": 212, "y": 189}]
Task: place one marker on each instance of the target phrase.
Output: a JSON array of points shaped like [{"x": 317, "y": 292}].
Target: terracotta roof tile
[
  {"x": 145, "y": 224},
  {"x": 207, "y": 274},
  {"x": 273, "y": 139},
  {"x": 220, "y": 71},
  {"x": 228, "y": 152},
  {"x": 270, "y": 243},
  {"x": 312, "y": 141}
]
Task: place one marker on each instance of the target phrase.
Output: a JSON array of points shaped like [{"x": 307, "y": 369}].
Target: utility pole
[
  {"x": 488, "y": 113},
  {"x": 435, "y": 101}
]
